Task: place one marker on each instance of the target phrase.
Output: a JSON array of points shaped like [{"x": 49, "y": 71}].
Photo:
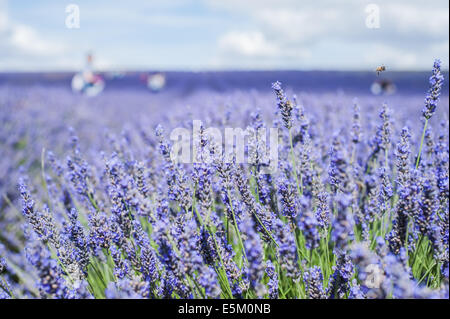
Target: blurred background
[{"x": 131, "y": 37}]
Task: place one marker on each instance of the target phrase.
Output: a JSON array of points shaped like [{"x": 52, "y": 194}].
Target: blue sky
[{"x": 224, "y": 34}]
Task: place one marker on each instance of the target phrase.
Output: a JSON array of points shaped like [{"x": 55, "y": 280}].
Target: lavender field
[{"x": 92, "y": 204}]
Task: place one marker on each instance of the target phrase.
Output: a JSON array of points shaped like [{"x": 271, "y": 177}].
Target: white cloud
[
  {"x": 3, "y": 21},
  {"x": 380, "y": 53},
  {"x": 411, "y": 35},
  {"x": 250, "y": 34},
  {"x": 251, "y": 49},
  {"x": 29, "y": 42},
  {"x": 252, "y": 43},
  {"x": 408, "y": 18},
  {"x": 22, "y": 47},
  {"x": 298, "y": 26}
]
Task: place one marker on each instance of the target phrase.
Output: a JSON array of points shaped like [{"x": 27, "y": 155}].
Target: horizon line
[{"x": 156, "y": 70}]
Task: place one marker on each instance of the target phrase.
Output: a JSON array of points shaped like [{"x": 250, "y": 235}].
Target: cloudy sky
[{"x": 225, "y": 34}]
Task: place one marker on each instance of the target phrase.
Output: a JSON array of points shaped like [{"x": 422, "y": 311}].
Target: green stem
[
  {"x": 421, "y": 142},
  {"x": 299, "y": 186},
  {"x": 4, "y": 284},
  {"x": 215, "y": 243},
  {"x": 228, "y": 230},
  {"x": 297, "y": 245},
  {"x": 419, "y": 243},
  {"x": 92, "y": 201},
  {"x": 265, "y": 229},
  {"x": 236, "y": 226},
  {"x": 310, "y": 258}
]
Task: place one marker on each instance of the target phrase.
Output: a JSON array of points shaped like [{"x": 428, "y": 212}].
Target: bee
[{"x": 380, "y": 69}]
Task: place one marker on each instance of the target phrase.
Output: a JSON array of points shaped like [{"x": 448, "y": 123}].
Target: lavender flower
[
  {"x": 313, "y": 280},
  {"x": 208, "y": 280},
  {"x": 338, "y": 172},
  {"x": 371, "y": 208},
  {"x": 287, "y": 192},
  {"x": 432, "y": 98},
  {"x": 121, "y": 266},
  {"x": 174, "y": 174},
  {"x": 428, "y": 206},
  {"x": 207, "y": 249},
  {"x": 2, "y": 264},
  {"x": 167, "y": 285},
  {"x": 356, "y": 123},
  {"x": 342, "y": 228},
  {"x": 263, "y": 217},
  {"x": 369, "y": 270},
  {"x": 100, "y": 234},
  {"x": 323, "y": 212},
  {"x": 75, "y": 233},
  {"x": 442, "y": 167},
  {"x": 273, "y": 280},
  {"x": 397, "y": 236},
  {"x": 340, "y": 279},
  {"x": 287, "y": 250},
  {"x": 40, "y": 223},
  {"x": 127, "y": 289},
  {"x": 385, "y": 191},
  {"x": 356, "y": 291},
  {"x": 284, "y": 105},
  {"x": 383, "y": 135},
  {"x": 254, "y": 252},
  {"x": 149, "y": 261},
  {"x": 307, "y": 223},
  {"x": 80, "y": 290},
  {"x": 51, "y": 282}
]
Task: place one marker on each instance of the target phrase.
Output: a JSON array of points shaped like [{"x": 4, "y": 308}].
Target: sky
[{"x": 225, "y": 34}]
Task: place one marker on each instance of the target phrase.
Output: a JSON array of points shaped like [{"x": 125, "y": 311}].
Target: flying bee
[{"x": 380, "y": 69}]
